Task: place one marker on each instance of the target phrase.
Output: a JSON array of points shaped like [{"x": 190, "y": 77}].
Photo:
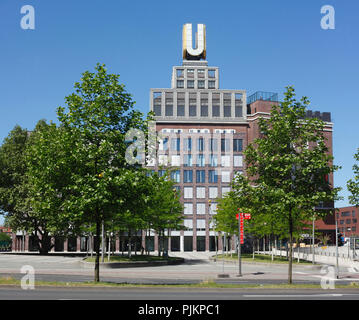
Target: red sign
[{"x": 247, "y": 216}]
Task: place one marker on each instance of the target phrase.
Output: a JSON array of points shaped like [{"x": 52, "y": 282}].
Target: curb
[
  {"x": 268, "y": 264},
  {"x": 132, "y": 264}
]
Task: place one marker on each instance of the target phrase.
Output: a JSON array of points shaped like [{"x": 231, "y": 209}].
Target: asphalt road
[{"x": 217, "y": 294}]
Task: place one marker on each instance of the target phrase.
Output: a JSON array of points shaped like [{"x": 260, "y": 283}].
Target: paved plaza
[{"x": 196, "y": 268}]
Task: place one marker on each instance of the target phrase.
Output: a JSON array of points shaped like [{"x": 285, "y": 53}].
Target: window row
[
  {"x": 201, "y": 73},
  {"x": 201, "y": 161},
  {"x": 199, "y": 208},
  {"x": 200, "y": 224},
  {"x": 199, "y": 84},
  {"x": 212, "y": 144},
  {"x": 201, "y": 192}
]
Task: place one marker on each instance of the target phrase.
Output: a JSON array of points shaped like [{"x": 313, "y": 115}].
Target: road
[{"x": 217, "y": 294}]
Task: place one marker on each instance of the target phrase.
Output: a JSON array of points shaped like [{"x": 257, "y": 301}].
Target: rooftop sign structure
[{"x": 190, "y": 53}]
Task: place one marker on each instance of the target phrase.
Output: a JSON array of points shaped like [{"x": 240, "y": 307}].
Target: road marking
[{"x": 293, "y": 295}]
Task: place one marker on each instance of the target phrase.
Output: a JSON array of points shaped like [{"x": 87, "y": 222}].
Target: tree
[
  {"x": 12, "y": 176},
  {"x": 353, "y": 185},
  {"x": 290, "y": 164},
  {"x": 98, "y": 115}
]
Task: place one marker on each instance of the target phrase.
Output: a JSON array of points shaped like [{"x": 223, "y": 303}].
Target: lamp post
[
  {"x": 336, "y": 245},
  {"x": 215, "y": 232}
]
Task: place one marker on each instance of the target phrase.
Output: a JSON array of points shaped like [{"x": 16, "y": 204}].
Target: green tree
[
  {"x": 353, "y": 185},
  {"x": 289, "y": 163},
  {"x": 12, "y": 177},
  {"x": 98, "y": 115}
]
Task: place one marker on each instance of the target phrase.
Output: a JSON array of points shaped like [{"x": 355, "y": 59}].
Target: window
[
  {"x": 226, "y": 176},
  {"x": 346, "y": 214},
  {"x": 187, "y": 160},
  {"x": 225, "y": 161},
  {"x": 211, "y": 73},
  {"x": 211, "y": 84},
  {"x": 201, "y": 208},
  {"x": 169, "y": 111},
  {"x": 200, "y": 144},
  {"x": 180, "y": 104},
  {"x": 354, "y": 228},
  {"x": 212, "y": 176},
  {"x": 179, "y": 73},
  {"x": 192, "y": 111},
  {"x": 200, "y": 176},
  {"x": 201, "y": 225},
  {"x": 237, "y": 145},
  {"x": 188, "y": 192},
  {"x": 180, "y": 84},
  {"x": 187, "y": 144},
  {"x": 157, "y": 97},
  {"x": 161, "y": 173},
  {"x": 180, "y": 111},
  {"x": 187, "y": 176},
  {"x": 204, "y": 111},
  {"x": 348, "y": 221},
  {"x": 163, "y": 144},
  {"x": 213, "y": 193},
  {"x": 225, "y": 190},
  {"x": 188, "y": 223},
  {"x": 237, "y": 161},
  {"x": 227, "y": 111},
  {"x": 201, "y": 192},
  {"x": 200, "y": 160},
  {"x": 162, "y": 160},
  {"x": 225, "y": 145},
  {"x": 213, "y": 161},
  {"x": 353, "y": 213},
  {"x": 175, "y": 144},
  {"x": 213, "y": 144},
  {"x": 200, "y": 73},
  {"x": 176, "y": 176},
  {"x": 238, "y": 111},
  {"x": 201, "y": 84},
  {"x": 190, "y": 73},
  {"x": 175, "y": 161},
  {"x": 341, "y": 222},
  {"x": 188, "y": 208},
  {"x": 355, "y": 220},
  {"x": 190, "y": 84}
]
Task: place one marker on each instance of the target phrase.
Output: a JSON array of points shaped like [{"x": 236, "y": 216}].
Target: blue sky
[{"x": 258, "y": 45}]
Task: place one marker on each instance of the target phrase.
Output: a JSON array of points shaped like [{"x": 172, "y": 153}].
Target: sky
[{"x": 259, "y": 45}]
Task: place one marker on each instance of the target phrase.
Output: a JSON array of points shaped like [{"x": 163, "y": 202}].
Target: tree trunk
[
  {"x": 97, "y": 249},
  {"x": 290, "y": 248},
  {"x": 129, "y": 243}
]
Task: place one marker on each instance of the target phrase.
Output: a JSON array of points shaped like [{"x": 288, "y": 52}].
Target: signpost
[{"x": 241, "y": 217}]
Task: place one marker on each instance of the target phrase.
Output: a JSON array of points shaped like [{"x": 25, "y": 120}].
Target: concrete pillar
[
  {"x": 182, "y": 243},
  {"x": 27, "y": 237},
  {"x": 53, "y": 248},
  {"x": 78, "y": 244},
  {"x": 14, "y": 242},
  {"x": 156, "y": 243},
  {"x": 65, "y": 245},
  {"x": 194, "y": 242},
  {"x": 117, "y": 248}
]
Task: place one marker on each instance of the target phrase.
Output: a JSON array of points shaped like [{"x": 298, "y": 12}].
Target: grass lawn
[
  {"x": 9, "y": 281},
  {"x": 134, "y": 258},
  {"x": 261, "y": 258}
]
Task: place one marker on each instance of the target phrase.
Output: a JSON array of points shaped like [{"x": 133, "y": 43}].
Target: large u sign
[{"x": 190, "y": 53}]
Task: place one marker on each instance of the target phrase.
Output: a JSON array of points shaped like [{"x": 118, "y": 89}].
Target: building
[
  {"x": 204, "y": 130},
  {"x": 6, "y": 230},
  {"x": 347, "y": 219}
]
